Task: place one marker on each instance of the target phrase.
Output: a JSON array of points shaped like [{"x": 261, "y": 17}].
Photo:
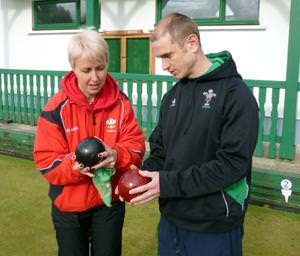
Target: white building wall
[
  {"x": 127, "y": 15},
  {"x": 260, "y": 51},
  {"x": 22, "y": 48}
]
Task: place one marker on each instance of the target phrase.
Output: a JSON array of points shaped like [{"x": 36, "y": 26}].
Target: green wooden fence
[{"x": 24, "y": 93}]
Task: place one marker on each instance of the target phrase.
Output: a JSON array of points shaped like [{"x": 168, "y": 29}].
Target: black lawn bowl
[{"x": 87, "y": 151}]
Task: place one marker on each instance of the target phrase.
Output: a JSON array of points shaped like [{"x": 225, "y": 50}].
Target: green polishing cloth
[{"x": 102, "y": 181}]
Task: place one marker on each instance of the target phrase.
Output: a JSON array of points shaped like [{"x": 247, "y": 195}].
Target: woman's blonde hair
[{"x": 90, "y": 43}]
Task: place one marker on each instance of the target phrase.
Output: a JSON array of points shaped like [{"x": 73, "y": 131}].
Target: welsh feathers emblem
[
  {"x": 111, "y": 123},
  {"x": 208, "y": 97}
]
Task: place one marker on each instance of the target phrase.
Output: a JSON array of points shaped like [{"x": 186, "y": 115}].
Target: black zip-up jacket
[{"x": 202, "y": 147}]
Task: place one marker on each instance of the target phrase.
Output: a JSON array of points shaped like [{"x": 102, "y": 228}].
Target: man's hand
[{"x": 149, "y": 191}]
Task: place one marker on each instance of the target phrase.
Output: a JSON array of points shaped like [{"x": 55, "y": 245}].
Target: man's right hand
[{"x": 149, "y": 191}]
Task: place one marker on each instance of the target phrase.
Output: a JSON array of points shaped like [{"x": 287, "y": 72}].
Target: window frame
[
  {"x": 55, "y": 26},
  {"x": 220, "y": 21}
]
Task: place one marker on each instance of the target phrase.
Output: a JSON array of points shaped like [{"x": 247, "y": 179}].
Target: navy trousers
[
  {"x": 173, "y": 241},
  {"x": 98, "y": 230}
]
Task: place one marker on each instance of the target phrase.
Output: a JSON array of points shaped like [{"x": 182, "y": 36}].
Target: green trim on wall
[
  {"x": 158, "y": 10},
  {"x": 287, "y": 147},
  {"x": 93, "y": 14}
]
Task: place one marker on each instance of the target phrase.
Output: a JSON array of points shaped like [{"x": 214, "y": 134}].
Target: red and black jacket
[{"x": 66, "y": 120}]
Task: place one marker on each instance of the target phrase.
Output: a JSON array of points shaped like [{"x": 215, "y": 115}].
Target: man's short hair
[{"x": 179, "y": 27}]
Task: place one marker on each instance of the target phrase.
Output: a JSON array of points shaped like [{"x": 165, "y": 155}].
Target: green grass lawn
[{"x": 26, "y": 228}]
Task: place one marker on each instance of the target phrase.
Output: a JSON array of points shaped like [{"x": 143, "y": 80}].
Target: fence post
[{"x": 287, "y": 146}]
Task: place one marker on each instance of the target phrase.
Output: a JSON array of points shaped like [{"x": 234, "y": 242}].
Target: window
[
  {"x": 65, "y": 14},
  {"x": 213, "y": 12}
]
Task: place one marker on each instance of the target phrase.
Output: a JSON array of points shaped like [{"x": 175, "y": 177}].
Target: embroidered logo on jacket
[
  {"x": 111, "y": 124},
  {"x": 73, "y": 129},
  {"x": 173, "y": 104},
  {"x": 208, "y": 97}
]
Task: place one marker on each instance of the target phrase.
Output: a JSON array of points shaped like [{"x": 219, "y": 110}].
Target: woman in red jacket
[{"x": 89, "y": 104}]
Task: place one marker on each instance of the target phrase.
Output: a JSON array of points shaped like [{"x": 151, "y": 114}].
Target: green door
[
  {"x": 114, "y": 45},
  {"x": 137, "y": 55}
]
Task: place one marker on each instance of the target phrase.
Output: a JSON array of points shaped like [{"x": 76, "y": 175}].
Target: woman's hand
[
  {"x": 108, "y": 158},
  {"x": 80, "y": 168}
]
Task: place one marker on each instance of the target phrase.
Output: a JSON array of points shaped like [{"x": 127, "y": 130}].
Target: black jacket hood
[{"x": 226, "y": 70}]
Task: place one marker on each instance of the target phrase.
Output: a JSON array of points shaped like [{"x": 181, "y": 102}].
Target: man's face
[
  {"x": 91, "y": 75},
  {"x": 178, "y": 60}
]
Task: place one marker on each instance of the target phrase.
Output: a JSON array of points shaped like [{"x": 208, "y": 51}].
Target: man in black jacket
[{"x": 201, "y": 149}]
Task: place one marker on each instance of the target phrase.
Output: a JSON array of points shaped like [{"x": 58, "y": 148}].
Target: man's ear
[{"x": 193, "y": 42}]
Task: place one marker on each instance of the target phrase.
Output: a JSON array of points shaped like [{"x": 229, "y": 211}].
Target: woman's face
[{"x": 91, "y": 75}]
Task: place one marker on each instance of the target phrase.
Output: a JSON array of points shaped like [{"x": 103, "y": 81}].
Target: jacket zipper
[
  {"x": 94, "y": 118},
  {"x": 226, "y": 204}
]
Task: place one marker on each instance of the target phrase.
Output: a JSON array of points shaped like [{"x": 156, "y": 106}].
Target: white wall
[
  {"x": 127, "y": 14},
  {"x": 22, "y": 49},
  {"x": 260, "y": 51}
]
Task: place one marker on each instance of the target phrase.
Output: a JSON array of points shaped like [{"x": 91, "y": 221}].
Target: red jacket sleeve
[
  {"x": 131, "y": 144},
  {"x": 52, "y": 156}
]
